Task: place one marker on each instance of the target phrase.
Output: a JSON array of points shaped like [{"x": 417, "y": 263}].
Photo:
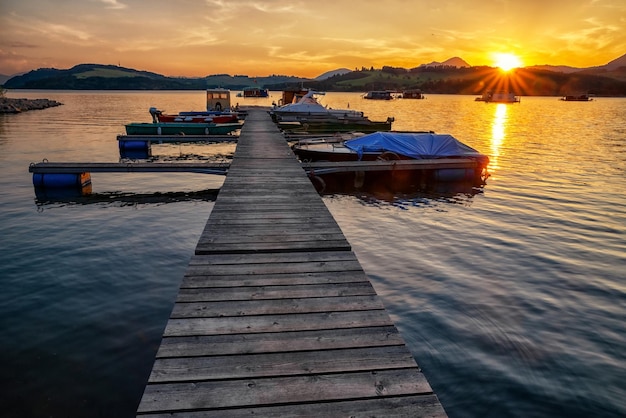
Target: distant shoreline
[{"x": 8, "y": 105}]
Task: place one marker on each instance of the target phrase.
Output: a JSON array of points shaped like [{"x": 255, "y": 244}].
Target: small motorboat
[
  {"x": 498, "y": 97},
  {"x": 579, "y": 98},
  {"x": 378, "y": 95},
  {"x": 390, "y": 146},
  {"x": 255, "y": 92},
  {"x": 181, "y": 128},
  {"x": 307, "y": 114}
]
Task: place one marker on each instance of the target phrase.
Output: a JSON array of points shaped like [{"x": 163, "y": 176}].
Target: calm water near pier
[{"x": 512, "y": 298}]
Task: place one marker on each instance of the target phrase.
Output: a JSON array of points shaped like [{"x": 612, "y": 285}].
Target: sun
[{"x": 506, "y": 61}]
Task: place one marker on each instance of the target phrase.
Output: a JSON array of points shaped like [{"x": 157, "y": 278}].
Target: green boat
[
  {"x": 330, "y": 127},
  {"x": 181, "y": 128}
]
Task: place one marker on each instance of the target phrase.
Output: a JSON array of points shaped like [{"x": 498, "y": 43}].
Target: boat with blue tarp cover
[
  {"x": 390, "y": 145},
  {"x": 437, "y": 150}
]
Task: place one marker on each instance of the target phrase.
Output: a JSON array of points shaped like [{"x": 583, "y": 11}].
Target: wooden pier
[{"x": 275, "y": 317}]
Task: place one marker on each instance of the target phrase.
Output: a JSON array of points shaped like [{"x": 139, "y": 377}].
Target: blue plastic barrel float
[
  {"x": 134, "y": 145},
  {"x": 135, "y": 149},
  {"x": 61, "y": 180}
]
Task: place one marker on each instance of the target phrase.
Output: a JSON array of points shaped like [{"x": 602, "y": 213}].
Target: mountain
[
  {"x": 452, "y": 62},
  {"x": 4, "y": 78},
  {"x": 112, "y": 77},
  {"x": 453, "y": 76},
  {"x": 554, "y": 68},
  {"x": 616, "y": 63},
  {"x": 611, "y": 66},
  {"x": 329, "y": 74}
]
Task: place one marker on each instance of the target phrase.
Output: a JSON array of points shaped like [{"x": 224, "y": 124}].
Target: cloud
[
  {"x": 20, "y": 44},
  {"x": 114, "y": 4}
]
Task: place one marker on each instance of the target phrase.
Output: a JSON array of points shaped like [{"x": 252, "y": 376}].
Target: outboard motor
[{"x": 155, "y": 114}]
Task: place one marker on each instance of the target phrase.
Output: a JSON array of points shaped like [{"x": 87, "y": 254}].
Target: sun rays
[{"x": 506, "y": 61}]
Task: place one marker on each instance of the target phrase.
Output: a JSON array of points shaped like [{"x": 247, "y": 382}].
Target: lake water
[{"x": 511, "y": 297}]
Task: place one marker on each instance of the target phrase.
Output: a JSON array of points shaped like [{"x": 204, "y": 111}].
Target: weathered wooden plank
[
  {"x": 264, "y": 213},
  {"x": 322, "y": 256},
  {"x": 278, "y": 198},
  {"x": 138, "y": 167},
  {"x": 275, "y": 323},
  {"x": 241, "y": 239},
  {"x": 270, "y": 218},
  {"x": 275, "y": 292},
  {"x": 212, "y": 345},
  {"x": 245, "y": 248},
  {"x": 281, "y": 364},
  {"x": 261, "y": 178},
  {"x": 203, "y": 279},
  {"x": 212, "y": 308},
  {"x": 283, "y": 390},
  {"x": 266, "y": 231},
  {"x": 414, "y": 406},
  {"x": 276, "y": 268},
  {"x": 264, "y": 207}
]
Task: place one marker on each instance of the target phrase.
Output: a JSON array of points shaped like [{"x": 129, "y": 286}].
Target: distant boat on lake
[
  {"x": 579, "y": 98},
  {"x": 412, "y": 94},
  {"x": 498, "y": 97},
  {"x": 378, "y": 95},
  {"x": 255, "y": 92}
]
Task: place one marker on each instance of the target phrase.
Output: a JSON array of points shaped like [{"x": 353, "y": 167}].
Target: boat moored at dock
[
  {"x": 390, "y": 145},
  {"x": 196, "y": 117},
  {"x": 401, "y": 146},
  {"x": 307, "y": 114},
  {"x": 181, "y": 128}
]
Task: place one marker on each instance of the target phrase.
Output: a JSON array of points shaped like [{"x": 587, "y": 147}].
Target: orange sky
[{"x": 305, "y": 38}]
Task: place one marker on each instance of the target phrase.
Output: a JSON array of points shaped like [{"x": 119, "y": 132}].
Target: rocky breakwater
[{"x": 21, "y": 105}]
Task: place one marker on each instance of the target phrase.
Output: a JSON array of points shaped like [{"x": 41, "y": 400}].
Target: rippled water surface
[{"x": 512, "y": 297}]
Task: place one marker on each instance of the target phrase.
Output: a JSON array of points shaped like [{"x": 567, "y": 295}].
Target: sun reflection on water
[{"x": 498, "y": 133}]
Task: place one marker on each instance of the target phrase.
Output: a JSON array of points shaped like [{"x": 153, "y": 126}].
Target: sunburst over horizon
[
  {"x": 506, "y": 61},
  {"x": 305, "y": 39}
]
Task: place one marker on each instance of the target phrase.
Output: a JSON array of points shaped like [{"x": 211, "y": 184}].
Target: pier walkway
[{"x": 275, "y": 317}]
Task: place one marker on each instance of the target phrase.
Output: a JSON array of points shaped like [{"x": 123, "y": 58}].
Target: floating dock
[
  {"x": 275, "y": 316},
  {"x": 176, "y": 139}
]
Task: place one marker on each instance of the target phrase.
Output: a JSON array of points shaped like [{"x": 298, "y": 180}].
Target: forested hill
[
  {"x": 112, "y": 77},
  {"x": 476, "y": 80},
  {"x": 430, "y": 79}
]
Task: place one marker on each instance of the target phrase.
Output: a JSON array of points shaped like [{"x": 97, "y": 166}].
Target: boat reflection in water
[
  {"x": 401, "y": 187},
  {"x": 65, "y": 197}
]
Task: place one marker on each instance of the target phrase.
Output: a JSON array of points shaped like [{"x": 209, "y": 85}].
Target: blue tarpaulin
[{"x": 413, "y": 145}]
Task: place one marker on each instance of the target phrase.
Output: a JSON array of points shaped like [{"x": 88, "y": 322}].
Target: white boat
[
  {"x": 378, "y": 95},
  {"x": 308, "y": 109},
  {"x": 498, "y": 97}
]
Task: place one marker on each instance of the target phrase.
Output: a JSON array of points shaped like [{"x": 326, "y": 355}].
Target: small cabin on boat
[
  {"x": 217, "y": 99},
  {"x": 579, "y": 98},
  {"x": 412, "y": 94},
  {"x": 498, "y": 97},
  {"x": 378, "y": 95},
  {"x": 255, "y": 92},
  {"x": 292, "y": 96}
]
